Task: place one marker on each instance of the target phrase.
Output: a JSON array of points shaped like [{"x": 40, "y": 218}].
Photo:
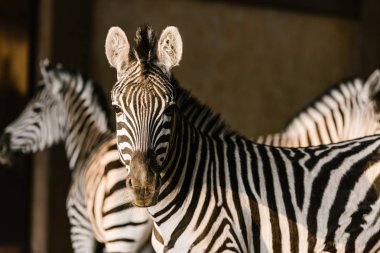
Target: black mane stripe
[
  {"x": 98, "y": 93},
  {"x": 145, "y": 44}
]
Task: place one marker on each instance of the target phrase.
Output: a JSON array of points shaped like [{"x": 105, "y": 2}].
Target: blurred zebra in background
[
  {"x": 224, "y": 193},
  {"x": 68, "y": 107},
  {"x": 348, "y": 111}
]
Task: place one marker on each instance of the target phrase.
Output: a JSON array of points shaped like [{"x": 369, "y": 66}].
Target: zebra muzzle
[
  {"x": 6, "y": 156},
  {"x": 146, "y": 195},
  {"x": 143, "y": 179}
]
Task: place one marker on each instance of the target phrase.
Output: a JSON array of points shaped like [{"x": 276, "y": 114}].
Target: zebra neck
[
  {"x": 181, "y": 170},
  {"x": 87, "y": 123}
]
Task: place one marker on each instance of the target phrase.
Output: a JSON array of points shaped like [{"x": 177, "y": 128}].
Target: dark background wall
[
  {"x": 15, "y": 182},
  {"x": 256, "y": 62}
]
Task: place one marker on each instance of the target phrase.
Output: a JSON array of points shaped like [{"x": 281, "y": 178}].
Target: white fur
[
  {"x": 49, "y": 79},
  {"x": 117, "y": 49},
  {"x": 169, "y": 50}
]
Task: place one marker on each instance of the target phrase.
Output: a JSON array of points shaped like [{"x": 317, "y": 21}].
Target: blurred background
[{"x": 257, "y": 62}]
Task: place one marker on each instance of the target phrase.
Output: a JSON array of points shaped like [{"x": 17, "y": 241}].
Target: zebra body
[
  {"x": 68, "y": 107},
  {"x": 348, "y": 111},
  {"x": 221, "y": 192},
  {"x": 252, "y": 198}
]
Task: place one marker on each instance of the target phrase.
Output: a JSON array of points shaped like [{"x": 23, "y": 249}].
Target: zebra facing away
[
  {"x": 222, "y": 192},
  {"x": 345, "y": 112},
  {"x": 68, "y": 107}
]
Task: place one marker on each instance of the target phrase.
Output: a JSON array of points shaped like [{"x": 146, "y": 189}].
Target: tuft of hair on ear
[{"x": 145, "y": 43}]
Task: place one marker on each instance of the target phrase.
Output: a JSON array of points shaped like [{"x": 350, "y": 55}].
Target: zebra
[
  {"x": 68, "y": 107},
  {"x": 344, "y": 112},
  {"x": 223, "y": 192},
  {"x": 34, "y": 130}
]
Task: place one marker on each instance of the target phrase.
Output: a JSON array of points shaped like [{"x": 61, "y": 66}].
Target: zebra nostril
[{"x": 129, "y": 181}]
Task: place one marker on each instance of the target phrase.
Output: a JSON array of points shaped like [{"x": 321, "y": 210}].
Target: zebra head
[
  {"x": 360, "y": 107},
  {"x": 369, "y": 106},
  {"x": 144, "y": 102},
  {"x": 40, "y": 124}
]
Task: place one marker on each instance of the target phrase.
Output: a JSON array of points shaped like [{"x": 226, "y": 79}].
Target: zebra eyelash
[{"x": 117, "y": 109}]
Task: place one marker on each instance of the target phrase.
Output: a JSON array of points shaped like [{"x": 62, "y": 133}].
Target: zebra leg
[
  {"x": 82, "y": 237},
  {"x": 135, "y": 237}
]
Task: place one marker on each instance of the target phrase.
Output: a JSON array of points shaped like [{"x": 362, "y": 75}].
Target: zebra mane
[
  {"x": 200, "y": 115},
  {"x": 68, "y": 78},
  {"x": 145, "y": 47},
  {"x": 344, "y": 83}
]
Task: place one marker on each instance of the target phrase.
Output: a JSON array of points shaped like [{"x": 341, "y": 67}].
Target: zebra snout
[
  {"x": 5, "y": 141},
  {"x": 5, "y": 156},
  {"x": 143, "y": 195},
  {"x": 138, "y": 185}
]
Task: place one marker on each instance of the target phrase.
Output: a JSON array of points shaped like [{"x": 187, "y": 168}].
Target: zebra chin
[
  {"x": 145, "y": 201},
  {"x": 10, "y": 157},
  {"x": 6, "y": 159},
  {"x": 143, "y": 197}
]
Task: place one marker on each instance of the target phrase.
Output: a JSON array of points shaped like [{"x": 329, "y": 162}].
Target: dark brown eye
[
  {"x": 169, "y": 110},
  {"x": 116, "y": 109},
  {"x": 37, "y": 109}
]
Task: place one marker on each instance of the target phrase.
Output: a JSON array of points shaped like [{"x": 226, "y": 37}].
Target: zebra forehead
[
  {"x": 145, "y": 96},
  {"x": 144, "y": 88}
]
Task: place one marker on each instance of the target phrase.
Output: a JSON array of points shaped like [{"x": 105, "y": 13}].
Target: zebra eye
[
  {"x": 169, "y": 110},
  {"x": 116, "y": 109},
  {"x": 37, "y": 109}
]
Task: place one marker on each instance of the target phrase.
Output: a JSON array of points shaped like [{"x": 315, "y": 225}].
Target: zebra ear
[
  {"x": 117, "y": 49},
  {"x": 44, "y": 66},
  {"x": 169, "y": 49},
  {"x": 48, "y": 76},
  {"x": 373, "y": 83}
]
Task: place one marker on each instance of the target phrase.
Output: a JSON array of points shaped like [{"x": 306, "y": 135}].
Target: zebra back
[{"x": 347, "y": 111}]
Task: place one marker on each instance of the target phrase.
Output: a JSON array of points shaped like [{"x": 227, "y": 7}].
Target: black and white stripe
[
  {"x": 347, "y": 111},
  {"x": 70, "y": 108},
  {"x": 224, "y": 193}
]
